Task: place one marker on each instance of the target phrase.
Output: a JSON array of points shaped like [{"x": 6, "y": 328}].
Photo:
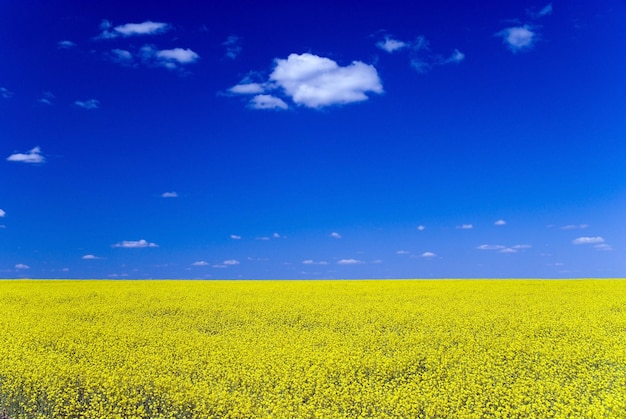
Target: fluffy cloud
[
  {"x": 200, "y": 263},
  {"x": 88, "y": 104},
  {"x": 267, "y": 102},
  {"x": 90, "y": 257},
  {"x": 169, "y": 195},
  {"x": 335, "y": 235},
  {"x": 390, "y": 45},
  {"x": 500, "y": 223},
  {"x": 129, "y": 244},
  {"x": 168, "y": 58},
  {"x": 22, "y": 266},
  {"x": 233, "y": 47},
  {"x": 121, "y": 56},
  {"x": 235, "y": 237},
  {"x": 349, "y": 262},
  {"x": 5, "y": 93},
  {"x": 314, "y": 82},
  {"x": 32, "y": 156},
  {"x": 231, "y": 262},
  {"x": 2, "y": 213},
  {"x": 588, "y": 240},
  {"x": 518, "y": 38},
  {"x": 421, "y": 228},
  {"x": 132, "y": 29},
  {"x": 428, "y": 255}
]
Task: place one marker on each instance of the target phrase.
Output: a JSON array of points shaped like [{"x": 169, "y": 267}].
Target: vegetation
[{"x": 327, "y": 349}]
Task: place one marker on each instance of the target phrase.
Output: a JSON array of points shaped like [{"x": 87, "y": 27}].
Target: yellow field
[{"x": 327, "y": 349}]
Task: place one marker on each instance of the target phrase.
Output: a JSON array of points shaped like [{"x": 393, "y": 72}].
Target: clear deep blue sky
[{"x": 327, "y": 139}]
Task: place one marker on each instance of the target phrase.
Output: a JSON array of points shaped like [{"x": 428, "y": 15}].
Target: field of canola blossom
[{"x": 316, "y": 349}]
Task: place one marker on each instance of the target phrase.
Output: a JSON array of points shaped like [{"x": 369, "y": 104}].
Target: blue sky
[{"x": 392, "y": 139}]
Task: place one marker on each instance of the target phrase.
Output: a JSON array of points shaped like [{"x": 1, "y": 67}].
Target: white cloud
[
  {"x": 588, "y": 240},
  {"x": 574, "y": 226},
  {"x": 421, "y": 228},
  {"x": 233, "y": 47},
  {"x": 267, "y": 102},
  {"x": 2, "y": 213},
  {"x": 349, "y": 262},
  {"x": 603, "y": 246},
  {"x": 168, "y": 58},
  {"x": 22, "y": 266},
  {"x": 428, "y": 255},
  {"x": 490, "y": 247},
  {"x": 132, "y": 29},
  {"x": 465, "y": 227},
  {"x": 315, "y": 82},
  {"x": 276, "y": 235},
  {"x": 390, "y": 45},
  {"x": 518, "y": 38},
  {"x": 169, "y": 195},
  {"x": 231, "y": 262},
  {"x": 456, "y": 57},
  {"x": 235, "y": 237},
  {"x": 65, "y": 44},
  {"x": 500, "y": 223},
  {"x": 508, "y": 250},
  {"x": 335, "y": 235},
  {"x": 129, "y": 244},
  {"x": 403, "y": 252},
  {"x": 247, "y": 89},
  {"x": 90, "y": 257},
  {"x": 200, "y": 263},
  {"x": 121, "y": 56},
  {"x": 47, "y": 98},
  {"x": 88, "y": 104},
  {"x": 312, "y": 262},
  {"x": 32, "y": 156},
  {"x": 5, "y": 93},
  {"x": 522, "y": 246}
]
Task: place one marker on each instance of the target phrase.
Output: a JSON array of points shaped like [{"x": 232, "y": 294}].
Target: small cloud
[
  {"x": 267, "y": 102},
  {"x": 263, "y": 238},
  {"x": 312, "y": 262},
  {"x": 32, "y": 156},
  {"x": 518, "y": 38},
  {"x": 335, "y": 235},
  {"x": 47, "y": 98},
  {"x": 5, "y": 93},
  {"x": 490, "y": 247},
  {"x": 421, "y": 228},
  {"x": 233, "y": 46},
  {"x": 428, "y": 255},
  {"x": 90, "y": 257},
  {"x": 465, "y": 227},
  {"x": 349, "y": 262},
  {"x": 500, "y": 223},
  {"x": 121, "y": 56},
  {"x": 22, "y": 266},
  {"x": 235, "y": 237},
  {"x": 508, "y": 250},
  {"x": 522, "y": 246},
  {"x": 169, "y": 195},
  {"x": 132, "y": 29},
  {"x": 2, "y": 213},
  {"x": 403, "y": 252},
  {"x": 129, "y": 244},
  {"x": 65, "y": 44},
  {"x": 231, "y": 262},
  {"x": 456, "y": 57},
  {"x": 574, "y": 226},
  {"x": 588, "y": 240},
  {"x": 88, "y": 104},
  {"x": 603, "y": 246},
  {"x": 247, "y": 89},
  {"x": 276, "y": 235},
  {"x": 390, "y": 45},
  {"x": 200, "y": 263},
  {"x": 547, "y": 10},
  {"x": 168, "y": 58}
]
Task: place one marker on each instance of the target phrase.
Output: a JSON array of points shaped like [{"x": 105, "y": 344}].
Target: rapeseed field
[{"x": 313, "y": 349}]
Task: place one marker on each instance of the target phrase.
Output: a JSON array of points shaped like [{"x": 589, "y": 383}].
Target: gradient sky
[{"x": 230, "y": 139}]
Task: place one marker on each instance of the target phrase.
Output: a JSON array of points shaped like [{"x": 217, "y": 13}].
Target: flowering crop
[{"x": 313, "y": 349}]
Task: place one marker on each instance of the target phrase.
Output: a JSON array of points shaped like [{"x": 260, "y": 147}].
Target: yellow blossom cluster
[{"x": 313, "y": 349}]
